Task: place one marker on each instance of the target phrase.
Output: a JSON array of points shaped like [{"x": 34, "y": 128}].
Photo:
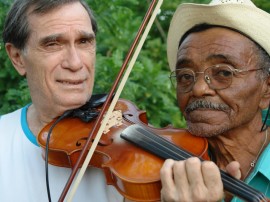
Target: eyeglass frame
[{"x": 207, "y": 77}]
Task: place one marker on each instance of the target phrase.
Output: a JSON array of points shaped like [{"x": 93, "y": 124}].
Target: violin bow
[{"x": 146, "y": 27}]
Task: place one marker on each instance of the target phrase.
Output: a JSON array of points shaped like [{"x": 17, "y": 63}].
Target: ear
[
  {"x": 15, "y": 56},
  {"x": 266, "y": 94}
]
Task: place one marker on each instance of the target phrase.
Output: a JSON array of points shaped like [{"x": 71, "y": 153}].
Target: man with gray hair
[
  {"x": 53, "y": 44},
  {"x": 219, "y": 57}
]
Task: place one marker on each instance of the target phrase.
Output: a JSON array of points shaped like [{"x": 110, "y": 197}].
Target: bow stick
[{"x": 113, "y": 103}]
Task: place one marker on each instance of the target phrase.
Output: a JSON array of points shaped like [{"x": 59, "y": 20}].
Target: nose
[
  {"x": 72, "y": 59},
  {"x": 201, "y": 86}
]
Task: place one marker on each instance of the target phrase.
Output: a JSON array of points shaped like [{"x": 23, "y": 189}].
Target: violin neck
[{"x": 165, "y": 149}]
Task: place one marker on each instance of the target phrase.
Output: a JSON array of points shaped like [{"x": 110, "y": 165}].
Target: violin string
[
  {"x": 184, "y": 154},
  {"x": 156, "y": 149},
  {"x": 224, "y": 175},
  {"x": 182, "y": 158},
  {"x": 158, "y": 144}
]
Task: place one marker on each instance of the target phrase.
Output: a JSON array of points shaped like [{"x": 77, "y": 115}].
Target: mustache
[{"x": 205, "y": 104}]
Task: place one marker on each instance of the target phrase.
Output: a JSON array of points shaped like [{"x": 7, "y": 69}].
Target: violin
[
  {"x": 133, "y": 171},
  {"x": 131, "y": 152}
]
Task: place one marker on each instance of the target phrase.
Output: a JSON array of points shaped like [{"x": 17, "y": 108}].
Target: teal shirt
[
  {"x": 259, "y": 178},
  {"x": 31, "y": 137}
]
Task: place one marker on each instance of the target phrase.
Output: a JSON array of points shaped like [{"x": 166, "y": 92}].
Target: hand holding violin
[
  {"x": 194, "y": 180},
  {"x": 190, "y": 180}
]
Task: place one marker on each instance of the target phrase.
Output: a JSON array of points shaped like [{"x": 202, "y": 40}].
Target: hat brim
[{"x": 249, "y": 20}]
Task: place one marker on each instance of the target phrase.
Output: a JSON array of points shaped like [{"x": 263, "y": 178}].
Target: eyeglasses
[{"x": 217, "y": 77}]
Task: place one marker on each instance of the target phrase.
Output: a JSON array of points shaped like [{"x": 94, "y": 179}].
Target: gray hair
[{"x": 16, "y": 28}]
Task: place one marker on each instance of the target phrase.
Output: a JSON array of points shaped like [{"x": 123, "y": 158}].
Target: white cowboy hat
[{"x": 240, "y": 15}]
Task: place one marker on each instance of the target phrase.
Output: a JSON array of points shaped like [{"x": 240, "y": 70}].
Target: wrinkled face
[
  {"x": 59, "y": 58},
  {"x": 225, "y": 109}
]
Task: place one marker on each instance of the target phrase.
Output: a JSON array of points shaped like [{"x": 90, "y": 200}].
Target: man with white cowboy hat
[{"x": 219, "y": 57}]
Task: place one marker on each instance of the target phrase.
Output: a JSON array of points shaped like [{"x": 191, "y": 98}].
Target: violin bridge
[{"x": 115, "y": 120}]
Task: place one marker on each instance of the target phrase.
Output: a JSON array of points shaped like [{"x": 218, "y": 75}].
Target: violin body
[{"x": 132, "y": 170}]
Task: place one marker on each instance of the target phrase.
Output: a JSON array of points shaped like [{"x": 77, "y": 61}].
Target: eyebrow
[
  {"x": 219, "y": 56},
  {"x": 50, "y": 38},
  {"x": 187, "y": 61},
  {"x": 87, "y": 35},
  {"x": 183, "y": 61},
  {"x": 55, "y": 37}
]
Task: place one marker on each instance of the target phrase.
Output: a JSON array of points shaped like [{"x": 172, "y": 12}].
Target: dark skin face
[{"x": 243, "y": 98}]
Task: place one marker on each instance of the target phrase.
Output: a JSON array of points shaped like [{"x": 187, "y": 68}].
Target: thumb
[{"x": 233, "y": 168}]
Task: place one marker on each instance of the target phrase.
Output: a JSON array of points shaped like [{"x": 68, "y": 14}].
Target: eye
[
  {"x": 52, "y": 46},
  {"x": 225, "y": 73},
  {"x": 184, "y": 77},
  {"x": 87, "y": 42},
  {"x": 221, "y": 72},
  {"x": 52, "y": 43}
]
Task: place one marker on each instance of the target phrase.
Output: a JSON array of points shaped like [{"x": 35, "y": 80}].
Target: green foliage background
[{"x": 118, "y": 20}]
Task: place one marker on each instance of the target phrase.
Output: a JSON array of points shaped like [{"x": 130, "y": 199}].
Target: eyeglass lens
[{"x": 217, "y": 77}]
